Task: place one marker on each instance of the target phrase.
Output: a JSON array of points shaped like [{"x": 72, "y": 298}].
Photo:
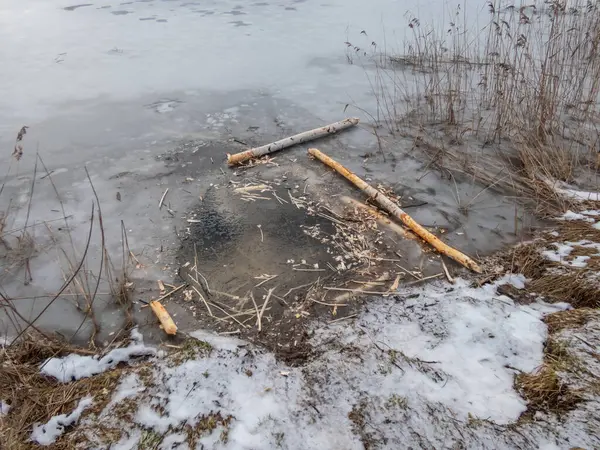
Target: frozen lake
[{"x": 147, "y": 94}]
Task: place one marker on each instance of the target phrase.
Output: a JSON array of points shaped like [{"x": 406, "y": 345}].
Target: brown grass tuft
[
  {"x": 526, "y": 259},
  {"x": 576, "y": 230},
  {"x": 573, "y": 318},
  {"x": 35, "y": 398},
  {"x": 544, "y": 391},
  {"x": 573, "y": 287}
]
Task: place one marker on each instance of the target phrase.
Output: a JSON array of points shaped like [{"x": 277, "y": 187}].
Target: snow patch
[
  {"x": 48, "y": 433},
  {"x": 570, "y": 215},
  {"x": 483, "y": 333},
  {"x": 74, "y": 367},
  {"x": 128, "y": 387},
  {"x": 568, "y": 191},
  {"x": 446, "y": 353},
  {"x": 4, "y": 408},
  {"x": 516, "y": 280},
  {"x": 563, "y": 250},
  {"x": 581, "y": 195}
]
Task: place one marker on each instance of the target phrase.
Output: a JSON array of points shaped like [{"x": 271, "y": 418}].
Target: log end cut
[{"x": 164, "y": 318}]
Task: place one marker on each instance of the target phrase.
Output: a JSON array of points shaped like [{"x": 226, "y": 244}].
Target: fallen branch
[
  {"x": 162, "y": 199},
  {"x": 262, "y": 311},
  {"x": 393, "y": 209},
  {"x": 292, "y": 140},
  {"x": 163, "y": 317},
  {"x": 365, "y": 286},
  {"x": 168, "y": 294},
  {"x": 448, "y": 276}
]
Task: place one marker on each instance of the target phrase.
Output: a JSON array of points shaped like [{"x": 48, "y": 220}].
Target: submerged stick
[
  {"x": 262, "y": 311},
  {"x": 164, "y": 317},
  {"x": 393, "y": 209},
  {"x": 162, "y": 199},
  {"x": 289, "y": 141},
  {"x": 379, "y": 216}
]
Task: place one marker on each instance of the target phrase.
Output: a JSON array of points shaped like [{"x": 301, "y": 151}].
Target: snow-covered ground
[{"x": 432, "y": 367}]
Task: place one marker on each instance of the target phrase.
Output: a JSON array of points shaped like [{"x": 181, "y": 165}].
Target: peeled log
[
  {"x": 393, "y": 209},
  {"x": 292, "y": 140},
  {"x": 164, "y": 317}
]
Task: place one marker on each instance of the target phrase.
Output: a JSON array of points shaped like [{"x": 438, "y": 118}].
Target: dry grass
[
  {"x": 573, "y": 288},
  {"x": 555, "y": 281},
  {"x": 576, "y": 230},
  {"x": 514, "y": 106},
  {"x": 550, "y": 388},
  {"x": 573, "y": 318},
  {"x": 526, "y": 259},
  {"x": 35, "y": 398},
  {"x": 544, "y": 391}
]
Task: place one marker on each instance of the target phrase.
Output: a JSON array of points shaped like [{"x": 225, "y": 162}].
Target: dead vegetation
[
  {"x": 569, "y": 319},
  {"x": 559, "y": 281},
  {"x": 514, "y": 107},
  {"x": 563, "y": 380},
  {"x": 545, "y": 391},
  {"x": 34, "y": 398}
]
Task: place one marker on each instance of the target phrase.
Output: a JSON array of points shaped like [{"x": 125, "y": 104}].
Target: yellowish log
[
  {"x": 393, "y": 209},
  {"x": 164, "y": 317}
]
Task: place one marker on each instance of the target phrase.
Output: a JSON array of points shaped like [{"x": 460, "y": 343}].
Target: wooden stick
[
  {"x": 365, "y": 286},
  {"x": 162, "y": 199},
  {"x": 168, "y": 294},
  {"x": 448, "y": 276},
  {"x": 343, "y": 318},
  {"x": 393, "y": 209},
  {"x": 263, "y": 309},
  {"x": 258, "y": 318},
  {"x": 164, "y": 317},
  {"x": 356, "y": 291},
  {"x": 292, "y": 140},
  {"x": 420, "y": 280}
]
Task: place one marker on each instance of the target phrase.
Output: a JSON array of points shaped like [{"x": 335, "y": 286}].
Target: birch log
[
  {"x": 164, "y": 317},
  {"x": 292, "y": 140},
  {"x": 393, "y": 209}
]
